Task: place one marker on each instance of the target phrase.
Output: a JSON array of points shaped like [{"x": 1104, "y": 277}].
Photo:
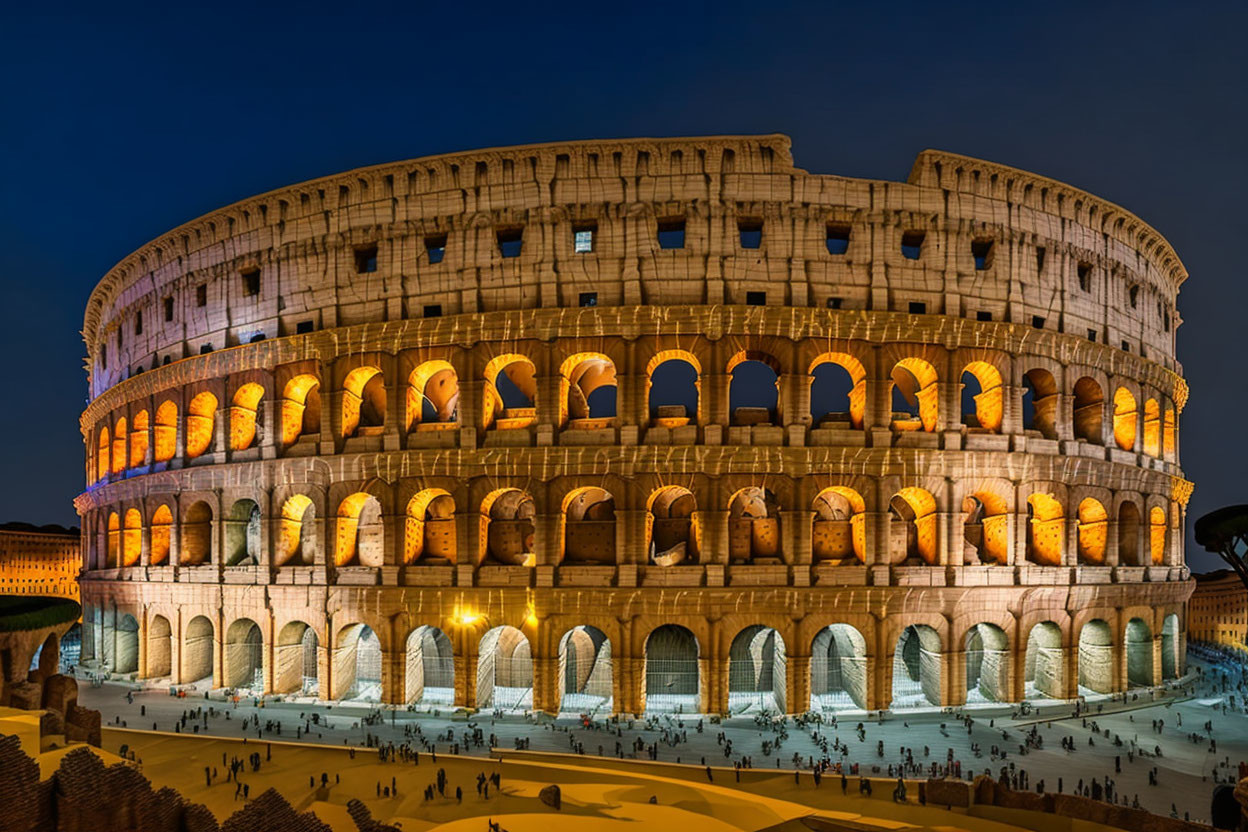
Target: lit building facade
[
  {"x": 1218, "y": 610},
  {"x": 642, "y": 425},
  {"x": 39, "y": 560}
]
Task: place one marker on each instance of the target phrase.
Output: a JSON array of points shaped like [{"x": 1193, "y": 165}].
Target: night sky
[{"x": 118, "y": 125}]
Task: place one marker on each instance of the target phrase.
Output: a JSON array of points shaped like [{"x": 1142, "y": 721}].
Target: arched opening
[
  {"x": 585, "y": 671},
  {"x": 357, "y": 664},
  {"x": 242, "y": 534},
  {"x": 1044, "y": 670},
  {"x": 509, "y": 399},
  {"x": 754, "y": 391},
  {"x": 754, "y": 525},
  {"x": 1171, "y": 648},
  {"x": 126, "y": 655},
  {"x": 838, "y": 669},
  {"x": 588, "y": 391},
  {"x": 986, "y": 528},
  {"x": 165, "y": 432},
  {"x": 119, "y": 446},
  {"x": 201, "y": 415},
  {"x": 1168, "y": 434},
  {"x": 672, "y": 533},
  {"x": 114, "y": 541},
  {"x": 197, "y": 648},
  {"x": 245, "y": 416},
  {"x": 432, "y": 396},
  {"x": 987, "y": 652},
  {"x": 838, "y": 391},
  {"x": 505, "y": 671},
  {"x": 1089, "y": 411},
  {"x": 47, "y": 657},
  {"x": 429, "y": 529},
  {"x": 360, "y": 533},
  {"x": 674, "y": 386},
  {"x": 296, "y": 668},
  {"x": 914, "y": 395},
  {"x": 1129, "y": 535},
  {"x": 301, "y": 409},
  {"x": 916, "y": 668},
  {"x": 363, "y": 403},
  {"x": 1046, "y": 530},
  {"x": 1093, "y": 532},
  {"x": 912, "y": 528},
  {"x": 673, "y": 683},
  {"x": 132, "y": 538},
  {"x": 1152, "y": 428},
  {"x": 70, "y": 649},
  {"x": 757, "y": 672},
  {"x": 1096, "y": 658},
  {"x": 589, "y": 526},
  {"x": 507, "y": 527},
  {"x": 838, "y": 534},
  {"x": 138, "y": 440},
  {"x": 1040, "y": 403},
  {"x": 244, "y": 656},
  {"x": 429, "y": 678},
  {"x": 296, "y": 545},
  {"x": 983, "y": 402},
  {"x": 1139, "y": 645},
  {"x": 102, "y": 453},
  {"x": 159, "y": 647},
  {"x": 1157, "y": 535},
  {"x": 160, "y": 536},
  {"x": 1126, "y": 418}
]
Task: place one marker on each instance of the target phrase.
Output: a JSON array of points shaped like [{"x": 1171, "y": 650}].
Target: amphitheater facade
[{"x": 618, "y": 426}]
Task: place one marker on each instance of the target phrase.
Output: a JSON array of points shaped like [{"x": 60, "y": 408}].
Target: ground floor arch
[
  {"x": 197, "y": 650},
  {"x": 126, "y": 641},
  {"x": 1138, "y": 643},
  {"x": 1172, "y": 649},
  {"x": 585, "y": 672},
  {"x": 296, "y": 660},
  {"x": 757, "y": 672},
  {"x": 1044, "y": 672},
  {"x": 838, "y": 669},
  {"x": 673, "y": 680},
  {"x": 1096, "y": 658},
  {"x": 429, "y": 672},
  {"x": 47, "y": 656},
  {"x": 357, "y": 664},
  {"x": 159, "y": 647},
  {"x": 916, "y": 668},
  {"x": 987, "y": 653},
  {"x": 505, "y": 670},
  {"x": 244, "y": 656}
]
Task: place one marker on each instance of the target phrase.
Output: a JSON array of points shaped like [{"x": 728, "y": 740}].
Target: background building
[
  {"x": 642, "y": 425},
  {"x": 1218, "y": 610},
  {"x": 39, "y": 560}
]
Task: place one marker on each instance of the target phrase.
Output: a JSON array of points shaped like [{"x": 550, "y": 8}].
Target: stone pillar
[
  {"x": 268, "y": 661},
  {"x": 144, "y": 615},
  {"x": 875, "y": 535},
  {"x": 467, "y": 536},
  {"x": 953, "y": 677},
  {"x": 548, "y": 542},
  {"x": 393, "y": 668},
  {"x": 465, "y": 666},
  {"x": 546, "y": 688},
  {"x": 797, "y": 527},
  {"x": 1064, "y": 422},
  {"x": 715, "y": 389},
  {"x": 631, "y": 545},
  {"x": 797, "y": 682},
  {"x": 714, "y": 541},
  {"x": 270, "y": 428},
  {"x": 1111, "y": 541},
  {"x": 946, "y": 553}
]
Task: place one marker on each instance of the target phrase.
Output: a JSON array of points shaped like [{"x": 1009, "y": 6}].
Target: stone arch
[
  {"x": 1096, "y": 656},
  {"x": 505, "y": 670},
  {"x": 1171, "y": 648},
  {"x": 357, "y": 660},
  {"x": 837, "y": 377},
  {"x": 296, "y": 542},
  {"x": 429, "y": 670},
  {"x": 1129, "y": 553},
  {"x": 509, "y": 398},
  {"x": 677, "y": 373},
  {"x": 47, "y": 657},
  {"x": 914, "y": 392},
  {"x": 587, "y": 391},
  {"x": 138, "y": 439},
  {"x": 160, "y": 536},
  {"x": 159, "y": 647},
  {"x": 754, "y": 388},
  {"x": 986, "y": 528},
  {"x": 1152, "y": 428},
  {"x": 757, "y": 665},
  {"x": 985, "y": 410},
  {"x": 1157, "y": 533},
  {"x": 589, "y": 526},
  {"x": 507, "y": 527},
  {"x": 201, "y": 416},
  {"x": 585, "y": 671},
  {"x": 243, "y": 657},
  {"x": 429, "y": 528},
  {"x": 672, "y": 534},
  {"x": 165, "y": 431},
  {"x": 1138, "y": 643},
  {"x": 753, "y": 525},
  {"x": 1046, "y": 529},
  {"x": 432, "y": 395},
  {"x": 1168, "y": 433},
  {"x": 913, "y": 527},
  {"x": 1126, "y": 419},
  {"x": 1089, "y": 410},
  {"x": 126, "y": 651},
  {"x": 242, "y": 534},
  {"x": 987, "y": 651},
  {"x": 113, "y": 541},
  {"x": 301, "y": 409},
  {"x": 296, "y": 660},
  {"x": 245, "y": 418},
  {"x": 672, "y": 670},
  {"x": 838, "y": 669},
  {"x": 132, "y": 538},
  {"x": 1093, "y": 531},
  {"x": 363, "y": 402},
  {"x": 360, "y": 533},
  {"x": 1044, "y": 667},
  {"x": 119, "y": 446},
  {"x": 916, "y": 668},
  {"x": 198, "y": 641},
  {"x": 838, "y": 532},
  {"x": 102, "y": 453},
  {"x": 1040, "y": 399}
]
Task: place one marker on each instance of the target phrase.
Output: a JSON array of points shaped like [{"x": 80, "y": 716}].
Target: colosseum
[{"x": 641, "y": 426}]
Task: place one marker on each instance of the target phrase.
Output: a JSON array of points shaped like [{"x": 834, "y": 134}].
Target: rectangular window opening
[
  {"x": 1084, "y": 271},
  {"x": 1040, "y": 259},
  {"x": 981, "y": 251},
  {"x": 583, "y": 237},
  {"x": 1091, "y": 334},
  {"x": 1037, "y": 322},
  {"x": 510, "y": 240},
  {"x": 672, "y": 233},
  {"x": 435, "y": 247},
  {"x": 838, "y": 239},
  {"x": 589, "y": 299},
  {"x": 835, "y": 303},
  {"x": 366, "y": 259},
  {"x": 205, "y": 349},
  {"x": 1126, "y": 346},
  {"x": 168, "y": 309},
  {"x": 751, "y": 232},
  {"x": 983, "y": 315},
  {"x": 138, "y": 322},
  {"x": 251, "y": 283},
  {"x": 918, "y": 307},
  {"x": 755, "y": 298},
  {"x": 201, "y": 294},
  {"x": 433, "y": 310},
  {"x": 303, "y": 327},
  {"x": 912, "y": 244}
]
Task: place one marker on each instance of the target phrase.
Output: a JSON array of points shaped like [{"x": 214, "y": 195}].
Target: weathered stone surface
[
  {"x": 552, "y": 796},
  {"x": 948, "y": 792},
  {"x": 82, "y": 725},
  {"x": 60, "y": 693},
  {"x": 25, "y": 695}
]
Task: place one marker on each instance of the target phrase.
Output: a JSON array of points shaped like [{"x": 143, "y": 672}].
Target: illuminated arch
[
  {"x": 244, "y": 416},
  {"x": 674, "y": 414},
  {"x": 755, "y": 399},
  {"x": 165, "y": 431},
  {"x": 363, "y": 401},
  {"x": 915, "y": 508},
  {"x": 114, "y": 540},
  {"x": 520, "y": 374},
  {"x": 989, "y": 402},
  {"x": 132, "y": 538},
  {"x": 1129, "y": 535},
  {"x": 196, "y": 538},
  {"x": 580, "y": 376},
  {"x": 1126, "y": 417},
  {"x": 161, "y": 534},
  {"x": 119, "y": 446},
  {"x": 432, "y": 395},
  {"x": 429, "y": 528},
  {"x": 296, "y": 541},
  {"x": 1168, "y": 434},
  {"x": 360, "y": 539},
  {"x": 839, "y": 527},
  {"x": 1157, "y": 535},
  {"x": 672, "y": 531},
  {"x": 915, "y": 380},
  {"x": 1046, "y": 529},
  {"x": 507, "y": 527},
  {"x": 301, "y": 409},
  {"x": 589, "y": 526},
  {"x": 857, "y": 397},
  {"x": 138, "y": 440},
  {"x": 1093, "y": 529},
  {"x": 986, "y": 527},
  {"x": 1152, "y": 428},
  {"x": 200, "y": 420},
  {"x": 1040, "y": 403},
  {"x": 753, "y": 525},
  {"x": 1089, "y": 410},
  {"x": 103, "y": 449}
]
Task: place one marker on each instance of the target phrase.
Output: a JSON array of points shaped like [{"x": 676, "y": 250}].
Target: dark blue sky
[{"x": 118, "y": 124}]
